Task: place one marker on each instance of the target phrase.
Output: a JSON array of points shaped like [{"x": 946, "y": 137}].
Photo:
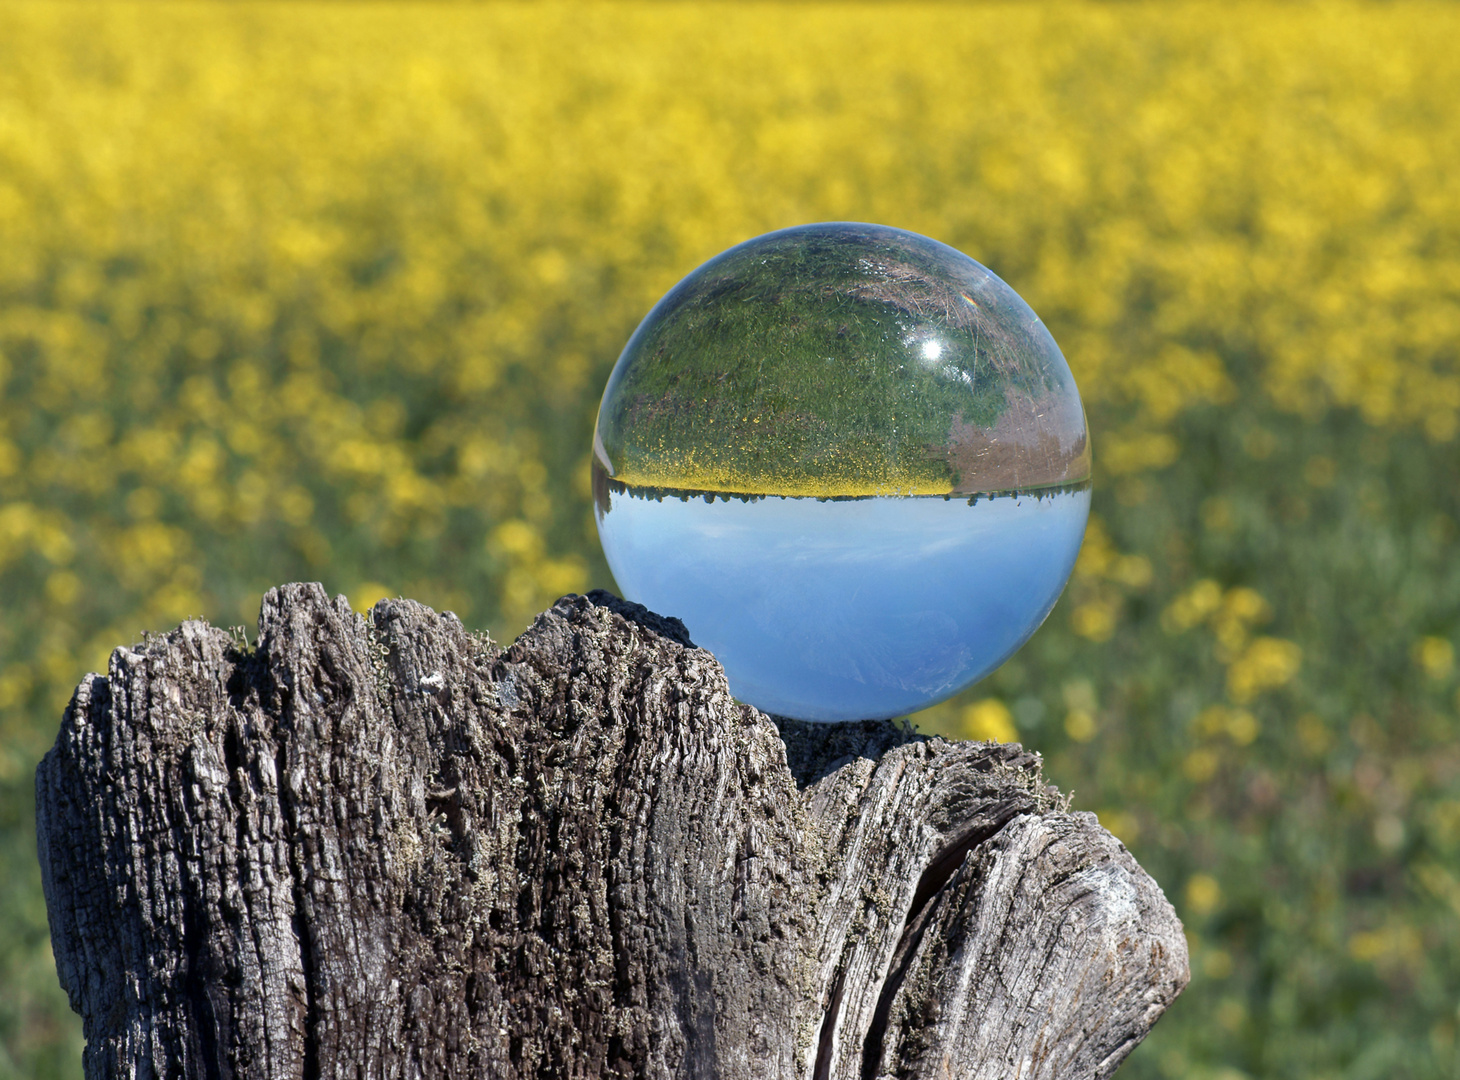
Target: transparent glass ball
[{"x": 854, "y": 463}]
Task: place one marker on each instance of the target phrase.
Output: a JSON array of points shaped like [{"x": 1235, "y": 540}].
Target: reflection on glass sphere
[{"x": 852, "y": 460}]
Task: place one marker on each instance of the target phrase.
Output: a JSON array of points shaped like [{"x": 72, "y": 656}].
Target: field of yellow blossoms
[{"x": 329, "y": 291}]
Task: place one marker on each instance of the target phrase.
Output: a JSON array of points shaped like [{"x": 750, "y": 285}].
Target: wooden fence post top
[{"x": 383, "y": 846}]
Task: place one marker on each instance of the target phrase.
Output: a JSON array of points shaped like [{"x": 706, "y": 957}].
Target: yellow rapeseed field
[{"x": 329, "y": 291}]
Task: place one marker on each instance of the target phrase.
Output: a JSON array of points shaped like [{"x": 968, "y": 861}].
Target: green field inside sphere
[{"x": 842, "y": 360}]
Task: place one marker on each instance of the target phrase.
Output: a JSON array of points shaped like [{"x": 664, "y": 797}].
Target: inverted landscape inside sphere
[
  {"x": 852, "y": 460},
  {"x": 841, "y": 360}
]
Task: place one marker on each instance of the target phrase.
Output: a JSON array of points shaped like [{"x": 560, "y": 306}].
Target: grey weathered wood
[{"x": 385, "y": 848}]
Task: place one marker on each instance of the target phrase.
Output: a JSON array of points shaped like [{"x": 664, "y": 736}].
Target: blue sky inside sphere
[{"x": 848, "y": 609}]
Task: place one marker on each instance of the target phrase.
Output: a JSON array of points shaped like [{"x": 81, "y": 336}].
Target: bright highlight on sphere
[{"x": 852, "y": 460}]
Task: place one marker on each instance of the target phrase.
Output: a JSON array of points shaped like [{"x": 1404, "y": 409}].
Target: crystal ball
[{"x": 854, "y": 463}]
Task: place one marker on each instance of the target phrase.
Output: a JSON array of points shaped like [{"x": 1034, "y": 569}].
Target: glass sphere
[{"x": 854, "y": 463}]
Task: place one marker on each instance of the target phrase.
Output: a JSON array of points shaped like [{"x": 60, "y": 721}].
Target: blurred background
[{"x": 330, "y": 291}]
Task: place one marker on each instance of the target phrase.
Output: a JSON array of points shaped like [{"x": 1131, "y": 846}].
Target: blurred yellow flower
[
  {"x": 988, "y": 720},
  {"x": 1388, "y": 946},
  {"x": 1203, "y": 894},
  {"x": 1080, "y": 725},
  {"x": 1121, "y": 823},
  {"x": 364, "y": 596},
  {"x": 1200, "y": 765},
  {"x": 1266, "y": 664},
  {"x": 1435, "y": 656},
  {"x": 1239, "y": 725},
  {"x": 1192, "y": 607},
  {"x": 1094, "y": 620}
]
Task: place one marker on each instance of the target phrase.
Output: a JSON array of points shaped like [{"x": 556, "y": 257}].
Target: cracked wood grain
[{"x": 384, "y": 847}]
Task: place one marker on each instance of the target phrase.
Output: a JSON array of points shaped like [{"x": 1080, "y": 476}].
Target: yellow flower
[
  {"x": 1266, "y": 664},
  {"x": 989, "y": 720},
  {"x": 1203, "y": 894},
  {"x": 1435, "y": 656}
]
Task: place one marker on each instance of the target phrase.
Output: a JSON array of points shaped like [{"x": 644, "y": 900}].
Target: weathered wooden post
[{"x": 382, "y": 847}]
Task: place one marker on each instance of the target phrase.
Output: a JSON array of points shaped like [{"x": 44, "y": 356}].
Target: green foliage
[{"x": 330, "y": 292}]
